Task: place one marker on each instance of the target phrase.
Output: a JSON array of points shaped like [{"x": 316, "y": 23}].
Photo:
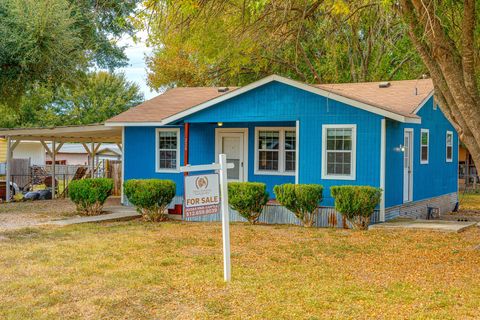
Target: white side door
[{"x": 408, "y": 165}]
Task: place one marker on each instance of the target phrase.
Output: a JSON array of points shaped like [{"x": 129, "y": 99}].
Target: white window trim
[
  {"x": 446, "y": 146},
  {"x": 157, "y": 169},
  {"x": 428, "y": 146},
  {"x": 352, "y": 175},
  {"x": 281, "y": 151}
]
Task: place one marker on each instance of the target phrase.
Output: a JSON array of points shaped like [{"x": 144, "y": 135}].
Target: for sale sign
[{"x": 202, "y": 195}]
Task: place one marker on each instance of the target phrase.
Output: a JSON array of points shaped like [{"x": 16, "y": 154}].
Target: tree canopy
[
  {"x": 97, "y": 97},
  {"x": 235, "y": 42},
  {"x": 49, "y": 43}
]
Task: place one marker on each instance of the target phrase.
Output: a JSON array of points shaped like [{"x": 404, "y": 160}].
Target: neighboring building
[
  {"x": 276, "y": 130},
  {"x": 466, "y": 167},
  {"x": 31, "y": 150},
  {"x": 75, "y": 154},
  {"x": 3, "y": 150}
]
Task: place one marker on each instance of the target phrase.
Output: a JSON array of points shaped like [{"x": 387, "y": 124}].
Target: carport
[{"x": 52, "y": 138}]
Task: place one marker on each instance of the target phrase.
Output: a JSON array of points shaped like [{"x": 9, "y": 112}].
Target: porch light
[
  {"x": 400, "y": 148},
  {"x": 219, "y": 124}
]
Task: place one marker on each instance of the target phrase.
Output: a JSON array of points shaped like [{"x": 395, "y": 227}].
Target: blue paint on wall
[
  {"x": 436, "y": 178},
  {"x": 139, "y": 148},
  {"x": 279, "y": 105},
  {"x": 274, "y": 104}
]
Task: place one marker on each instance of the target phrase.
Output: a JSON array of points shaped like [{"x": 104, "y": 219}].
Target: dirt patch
[{"x": 27, "y": 214}]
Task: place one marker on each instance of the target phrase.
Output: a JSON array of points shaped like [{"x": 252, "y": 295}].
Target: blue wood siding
[
  {"x": 436, "y": 178},
  {"x": 274, "y": 104}
]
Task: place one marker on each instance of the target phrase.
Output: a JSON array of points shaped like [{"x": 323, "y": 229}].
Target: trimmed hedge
[
  {"x": 89, "y": 195},
  {"x": 151, "y": 197},
  {"x": 356, "y": 203},
  {"x": 248, "y": 198},
  {"x": 302, "y": 199}
]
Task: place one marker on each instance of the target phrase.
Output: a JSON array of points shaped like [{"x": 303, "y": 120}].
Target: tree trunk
[{"x": 451, "y": 65}]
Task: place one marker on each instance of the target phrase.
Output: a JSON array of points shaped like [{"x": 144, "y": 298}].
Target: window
[
  {"x": 449, "y": 143},
  {"x": 168, "y": 152},
  {"x": 338, "y": 152},
  {"x": 424, "y": 141},
  {"x": 275, "y": 151}
]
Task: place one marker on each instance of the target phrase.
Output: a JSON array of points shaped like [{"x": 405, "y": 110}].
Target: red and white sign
[{"x": 202, "y": 196}]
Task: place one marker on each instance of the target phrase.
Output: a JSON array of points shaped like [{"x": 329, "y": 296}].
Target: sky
[{"x": 136, "y": 70}]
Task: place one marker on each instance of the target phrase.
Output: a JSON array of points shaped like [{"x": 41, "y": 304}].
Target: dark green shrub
[
  {"x": 356, "y": 203},
  {"x": 89, "y": 195},
  {"x": 248, "y": 198},
  {"x": 302, "y": 199},
  {"x": 151, "y": 197}
]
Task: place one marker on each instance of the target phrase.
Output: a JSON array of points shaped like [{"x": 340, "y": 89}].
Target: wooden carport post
[{"x": 10, "y": 149}]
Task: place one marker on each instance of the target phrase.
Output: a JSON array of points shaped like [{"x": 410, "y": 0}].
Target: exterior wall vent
[
  {"x": 223, "y": 89},
  {"x": 384, "y": 84}
]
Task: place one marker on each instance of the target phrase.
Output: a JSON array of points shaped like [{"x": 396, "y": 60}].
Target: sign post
[
  {"x": 227, "y": 268},
  {"x": 201, "y": 198}
]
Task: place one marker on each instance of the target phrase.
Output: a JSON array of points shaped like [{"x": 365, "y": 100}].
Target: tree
[
  {"x": 49, "y": 43},
  {"x": 447, "y": 36},
  {"x": 218, "y": 42},
  {"x": 97, "y": 97},
  {"x": 101, "y": 96}
]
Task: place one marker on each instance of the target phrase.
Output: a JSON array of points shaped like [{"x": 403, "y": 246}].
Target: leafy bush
[
  {"x": 151, "y": 197},
  {"x": 89, "y": 195},
  {"x": 248, "y": 198},
  {"x": 302, "y": 199},
  {"x": 356, "y": 203}
]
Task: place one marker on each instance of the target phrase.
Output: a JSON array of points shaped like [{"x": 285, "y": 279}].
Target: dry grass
[
  {"x": 136, "y": 270},
  {"x": 470, "y": 202}
]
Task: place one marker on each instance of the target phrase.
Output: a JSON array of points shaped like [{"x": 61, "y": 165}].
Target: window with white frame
[
  {"x": 449, "y": 144},
  {"x": 168, "y": 149},
  {"x": 275, "y": 151},
  {"x": 339, "y": 152},
  {"x": 424, "y": 142}
]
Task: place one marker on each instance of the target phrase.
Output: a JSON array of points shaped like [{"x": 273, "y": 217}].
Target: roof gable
[{"x": 396, "y": 102}]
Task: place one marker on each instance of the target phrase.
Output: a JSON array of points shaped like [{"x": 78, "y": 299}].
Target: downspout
[
  {"x": 186, "y": 132},
  {"x": 122, "y": 181},
  {"x": 382, "y": 167}
]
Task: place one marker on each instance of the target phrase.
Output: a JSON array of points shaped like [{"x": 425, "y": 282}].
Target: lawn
[
  {"x": 137, "y": 270},
  {"x": 469, "y": 201}
]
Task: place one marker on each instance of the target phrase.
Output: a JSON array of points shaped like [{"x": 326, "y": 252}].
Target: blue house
[{"x": 390, "y": 135}]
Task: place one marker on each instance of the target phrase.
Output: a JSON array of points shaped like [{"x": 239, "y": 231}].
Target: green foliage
[
  {"x": 151, "y": 197},
  {"x": 40, "y": 43},
  {"x": 302, "y": 199},
  {"x": 89, "y": 195},
  {"x": 248, "y": 198},
  {"x": 52, "y": 43},
  {"x": 356, "y": 203},
  {"x": 95, "y": 98},
  {"x": 235, "y": 42}
]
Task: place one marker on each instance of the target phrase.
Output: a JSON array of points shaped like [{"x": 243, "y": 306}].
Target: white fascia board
[
  {"x": 134, "y": 124},
  {"x": 423, "y": 103},
  {"x": 256, "y": 84},
  {"x": 295, "y": 84}
]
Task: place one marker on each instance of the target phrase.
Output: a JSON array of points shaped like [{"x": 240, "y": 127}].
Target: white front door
[
  {"x": 232, "y": 142},
  {"x": 408, "y": 165}
]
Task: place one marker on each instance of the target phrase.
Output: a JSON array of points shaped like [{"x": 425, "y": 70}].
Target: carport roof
[{"x": 80, "y": 134}]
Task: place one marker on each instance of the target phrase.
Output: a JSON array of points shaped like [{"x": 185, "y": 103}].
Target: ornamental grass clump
[
  {"x": 301, "y": 199},
  {"x": 151, "y": 197},
  {"x": 89, "y": 195},
  {"x": 248, "y": 198},
  {"x": 356, "y": 203}
]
